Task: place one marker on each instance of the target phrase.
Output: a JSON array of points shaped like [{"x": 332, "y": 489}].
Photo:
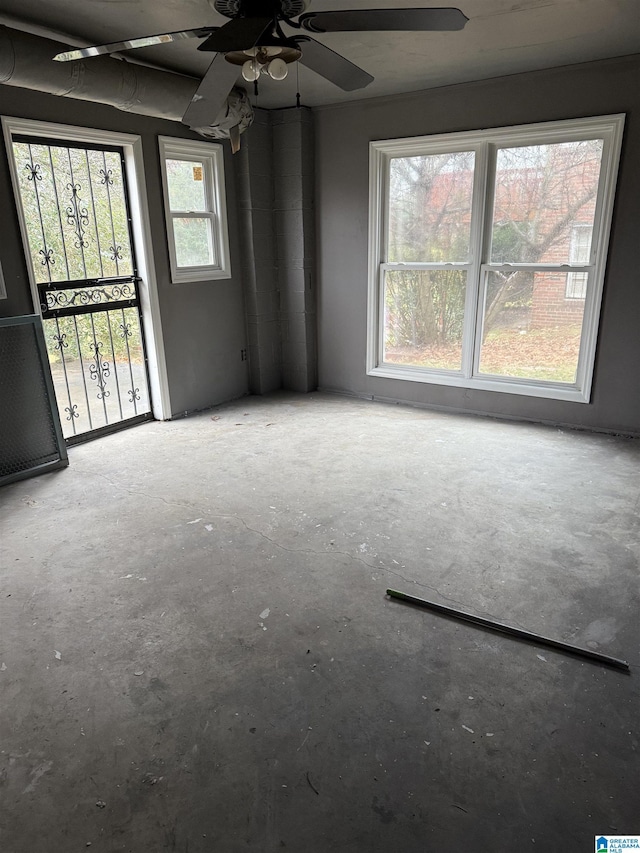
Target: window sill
[
  {"x": 548, "y": 390},
  {"x": 190, "y": 275}
]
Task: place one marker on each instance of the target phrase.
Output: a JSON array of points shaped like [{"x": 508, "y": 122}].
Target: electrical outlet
[{"x": 243, "y": 355}]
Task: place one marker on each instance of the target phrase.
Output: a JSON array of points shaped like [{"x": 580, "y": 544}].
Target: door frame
[{"x": 141, "y": 231}]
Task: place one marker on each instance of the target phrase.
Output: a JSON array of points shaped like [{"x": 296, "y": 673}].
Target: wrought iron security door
[{"x": 77, "y": 221}]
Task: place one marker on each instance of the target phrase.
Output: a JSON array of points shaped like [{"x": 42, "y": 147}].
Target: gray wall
[
  {"x": 277, "y": 223},
  {"x": 342, "y": 137},
  {"x": 203, "y": 323}
]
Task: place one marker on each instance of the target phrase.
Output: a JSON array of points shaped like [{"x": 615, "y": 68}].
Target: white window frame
[
  {"x": 211, "y": 156},
  {"x": 485, "y": 144}
]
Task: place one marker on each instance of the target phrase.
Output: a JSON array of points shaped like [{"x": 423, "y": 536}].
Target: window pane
[
  {"x": 194, "y": 246},
  {"x": 423, "y": 317},
  {"x": 185, "y": 180},
  {"x": 430, "y": 207},
  {"x": 75, "y": 211},
  {"x": 542, "y": 193},
  {"x": 531, "y": 329}
]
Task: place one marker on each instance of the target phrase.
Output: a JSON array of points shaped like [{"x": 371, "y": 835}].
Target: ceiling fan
[{"x": 255, "y": 40}]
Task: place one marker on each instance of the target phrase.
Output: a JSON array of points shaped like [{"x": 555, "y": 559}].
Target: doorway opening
[
  {"x": 77, "y": 218},
  {"x": 82, "y": 209}
]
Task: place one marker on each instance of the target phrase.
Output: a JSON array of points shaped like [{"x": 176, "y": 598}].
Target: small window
[
  {"x": 195, "y": 209},
  {"x": 579, "y": 253}
]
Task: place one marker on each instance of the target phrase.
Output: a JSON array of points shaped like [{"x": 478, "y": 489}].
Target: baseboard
[{"x": 375, "y": 398}]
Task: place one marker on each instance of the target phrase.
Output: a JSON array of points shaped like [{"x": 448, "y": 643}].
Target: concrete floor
[{"x": 198, "y": 654}]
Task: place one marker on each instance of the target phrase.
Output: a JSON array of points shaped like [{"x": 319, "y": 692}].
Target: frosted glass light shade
[
  {"x": 251, "y": 70},
  {"x": 277, "y": 69}
]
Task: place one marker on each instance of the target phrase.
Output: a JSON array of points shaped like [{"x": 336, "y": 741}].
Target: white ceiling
[{"x": 502, "y": 37}]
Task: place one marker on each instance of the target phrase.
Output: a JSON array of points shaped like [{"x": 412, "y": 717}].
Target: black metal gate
[{"x": 78, "y": 229}]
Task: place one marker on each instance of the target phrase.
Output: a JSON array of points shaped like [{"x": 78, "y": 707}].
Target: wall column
[
  {"x": 259, "y": 272},
  {"x": 275, "y": 171},
  {"x": 293, "y": 164}
]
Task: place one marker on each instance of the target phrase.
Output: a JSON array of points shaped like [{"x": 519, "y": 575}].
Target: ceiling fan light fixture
[{"x": 255, "y": 59}]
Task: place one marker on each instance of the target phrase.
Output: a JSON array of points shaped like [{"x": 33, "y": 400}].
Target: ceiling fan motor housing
[{"x": 260, "y": 8}]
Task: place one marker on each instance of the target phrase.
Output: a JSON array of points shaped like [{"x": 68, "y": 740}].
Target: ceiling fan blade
[
  {"x": 143, "y": 41},
  {"x": 330, "y": 65},
  {"x": 238, "y": 34},
  {"x": 212, "y": 93},
  {"x": 362, "y": 20}
]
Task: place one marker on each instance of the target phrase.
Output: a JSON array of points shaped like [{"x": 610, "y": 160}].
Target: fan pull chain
[{"x": 298, "y": 85}]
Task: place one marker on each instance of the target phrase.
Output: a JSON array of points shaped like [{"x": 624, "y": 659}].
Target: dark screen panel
[{"x": 30, "y": 433}]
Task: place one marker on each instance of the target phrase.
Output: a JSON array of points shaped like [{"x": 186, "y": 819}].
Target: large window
[
  {"x": 487, "y": 256},
  {"x": 195, "y": 209}
]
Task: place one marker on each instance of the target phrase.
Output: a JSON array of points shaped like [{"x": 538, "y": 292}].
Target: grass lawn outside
[{"x": 540, "y": 354}]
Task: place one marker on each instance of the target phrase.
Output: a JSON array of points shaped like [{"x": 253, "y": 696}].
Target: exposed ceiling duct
[{"x": 26, "y": 60}]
